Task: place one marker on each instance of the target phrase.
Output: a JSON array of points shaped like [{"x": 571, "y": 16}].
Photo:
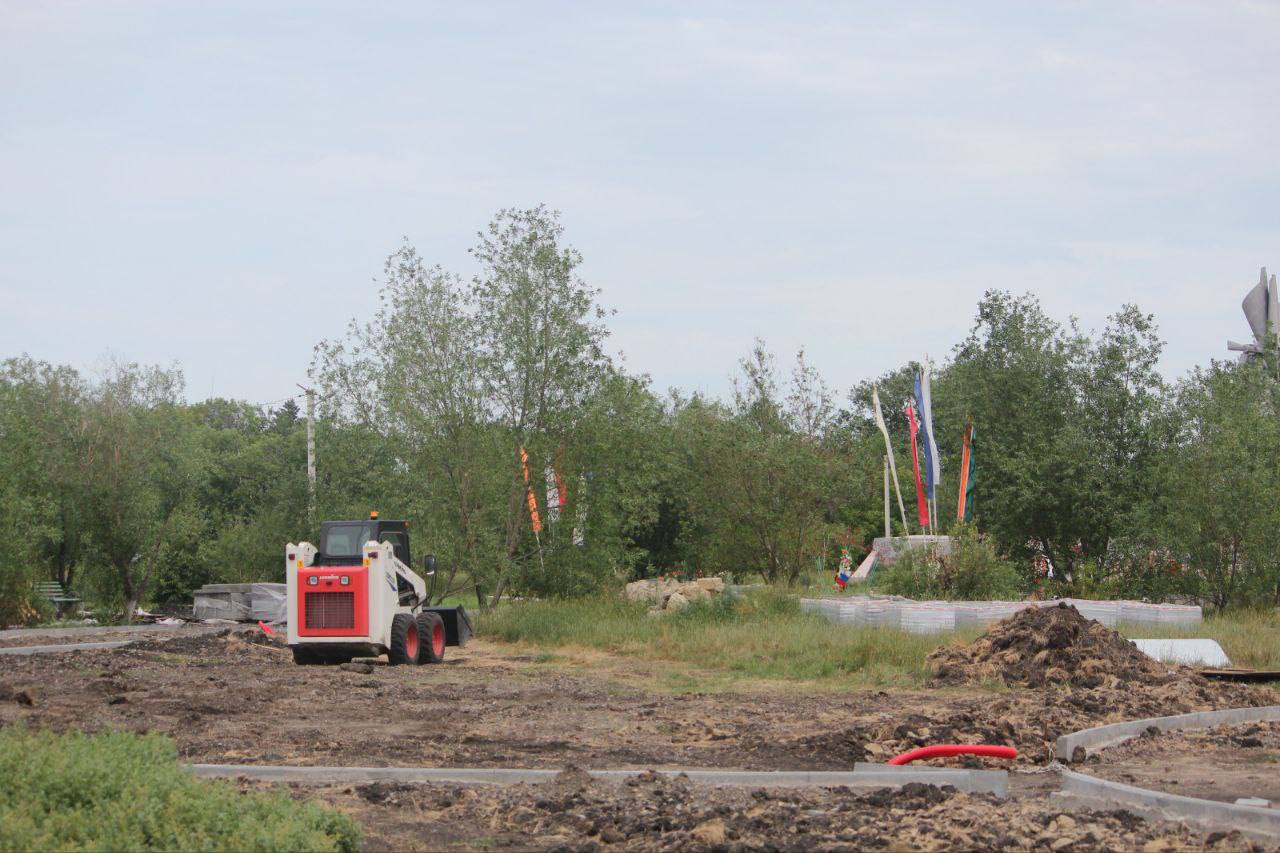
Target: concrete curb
[
  {"x": 92, "y": 630},
  {"x": 63, "y": 647},
  {"x": 971, "y": 781},
  {"x": 1093, "y": 740},
  {"x": 1259, "y": 823}
]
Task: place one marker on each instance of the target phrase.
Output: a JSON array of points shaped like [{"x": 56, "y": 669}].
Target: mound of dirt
[
  {"x": 229, "y": 640},
  {"x": 1048, "y": 645}
]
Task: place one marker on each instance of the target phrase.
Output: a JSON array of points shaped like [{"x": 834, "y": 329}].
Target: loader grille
[{"x": 330, "y": 610}]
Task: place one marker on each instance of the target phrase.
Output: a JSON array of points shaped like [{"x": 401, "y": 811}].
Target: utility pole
[{"x": 311, "y": 456}]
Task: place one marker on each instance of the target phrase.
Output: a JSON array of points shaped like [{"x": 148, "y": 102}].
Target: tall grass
[
  {"x": 1250, "y": 638},
  {"x": 761, "y": 635}
]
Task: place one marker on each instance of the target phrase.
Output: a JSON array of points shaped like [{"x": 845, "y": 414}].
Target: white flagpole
[
  {"x": 893, "y": 469},
  {"x": 888, "y": 530}
]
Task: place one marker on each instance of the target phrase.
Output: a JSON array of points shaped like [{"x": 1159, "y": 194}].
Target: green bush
[
  {"x": 973, "y": 571},
  {"x": 120, "y": 791}
]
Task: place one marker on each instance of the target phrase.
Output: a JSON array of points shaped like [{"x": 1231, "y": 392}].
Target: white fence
[{"x": 931, "y": 617}]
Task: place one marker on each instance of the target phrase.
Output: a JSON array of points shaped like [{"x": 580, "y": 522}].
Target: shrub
[
  {"x": 120, "y": 791},
  {"x": 973, "y": 571}
]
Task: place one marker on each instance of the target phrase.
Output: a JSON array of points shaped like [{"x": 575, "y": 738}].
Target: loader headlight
[
  {"x": 346, "y": 580},
  {"x": 313, "y": 580}
]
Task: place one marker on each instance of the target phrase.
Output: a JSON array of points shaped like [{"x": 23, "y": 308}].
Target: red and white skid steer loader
[{"x": 355, "y": 596}]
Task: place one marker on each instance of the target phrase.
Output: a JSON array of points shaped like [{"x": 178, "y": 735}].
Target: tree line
[{"x": 472, "y": 405}]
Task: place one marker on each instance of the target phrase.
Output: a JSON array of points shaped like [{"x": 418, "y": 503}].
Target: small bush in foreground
[{"x": 119, "y": 791}]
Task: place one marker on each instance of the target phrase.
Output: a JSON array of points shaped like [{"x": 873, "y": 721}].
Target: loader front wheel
[
  {"x": 404, "y": 640},
  {"x": 431, "y": 636}
]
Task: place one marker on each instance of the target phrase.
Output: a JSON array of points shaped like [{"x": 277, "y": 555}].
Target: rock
[
  {"x": 710, "y": 833},
  {"x": 25, "y": 697},
  {"x": 643, "y": 591},
  {"x": 677, "y": 601},
  {"x": 711, "y": 585},
  {"x": 693, "y": 592},
  {"x": 362, "y": 668}
]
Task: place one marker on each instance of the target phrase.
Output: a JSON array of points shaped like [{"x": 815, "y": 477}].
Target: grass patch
[
  {"x": 1250, "y": 638},
  {"x": 760, "y": 635},
  {"x": 120, "y": 791}
]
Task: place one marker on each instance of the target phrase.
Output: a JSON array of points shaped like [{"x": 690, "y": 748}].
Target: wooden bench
[{"x": 57, "y": 595}]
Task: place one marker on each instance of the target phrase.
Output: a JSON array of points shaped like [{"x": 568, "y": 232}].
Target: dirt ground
[
  {"x": 238, "y": 698},
  {"x": 1223, "y": 763},
  {"x": 653, "y": 812}
]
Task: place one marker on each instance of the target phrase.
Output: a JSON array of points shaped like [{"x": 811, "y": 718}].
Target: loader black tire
[
  {"x": 405, "y": 644},
  {"x": 431, "y": 638},
  {"x": 305, "y": 656}
]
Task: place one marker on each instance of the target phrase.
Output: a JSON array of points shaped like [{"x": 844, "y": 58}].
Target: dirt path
[
  {"x": 97, "y": 634},
  {"x": 240, "y": 698}
]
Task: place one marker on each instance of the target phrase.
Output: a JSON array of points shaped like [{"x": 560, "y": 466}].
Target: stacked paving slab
[
  {"x": 931, "y": 617},
  {"x": 241, "y": 602}
]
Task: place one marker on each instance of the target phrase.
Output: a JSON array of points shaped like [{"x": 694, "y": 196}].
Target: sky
[{"x": 218, "y": 184}]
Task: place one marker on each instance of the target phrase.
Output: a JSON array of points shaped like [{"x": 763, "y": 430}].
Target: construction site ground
[
  {"x": 237, "y": 698},
  {"x": 1224, "y": 763}
]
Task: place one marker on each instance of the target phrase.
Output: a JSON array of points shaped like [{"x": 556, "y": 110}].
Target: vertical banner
[
  {"x": 533, "y": 502},
  {"x": 964, "y": 509},
  {"x": 933, "y": 472},
  {"x": 922, "y": 501}
]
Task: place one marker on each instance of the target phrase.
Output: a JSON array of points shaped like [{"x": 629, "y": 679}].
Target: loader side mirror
[{"x": 429, "y": 564}]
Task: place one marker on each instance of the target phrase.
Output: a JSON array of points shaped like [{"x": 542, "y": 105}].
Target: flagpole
[
  {"x": 893, "y": 469},
  {"x": 888, "y": 533}
]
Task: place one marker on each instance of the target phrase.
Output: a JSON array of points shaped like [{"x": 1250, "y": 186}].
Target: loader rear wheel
[
  {"x": 404, "y": 640},
  {"x": 431, "y": 632}
]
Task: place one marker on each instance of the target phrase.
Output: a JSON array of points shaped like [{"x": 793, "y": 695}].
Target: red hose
[{"x": 946, "y": 750}]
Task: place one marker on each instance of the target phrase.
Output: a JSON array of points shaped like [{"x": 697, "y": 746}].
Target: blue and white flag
[{"x": 924, "y": 402}]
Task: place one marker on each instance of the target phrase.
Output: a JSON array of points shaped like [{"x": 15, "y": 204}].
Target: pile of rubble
[{"x": 671, "y": 594}]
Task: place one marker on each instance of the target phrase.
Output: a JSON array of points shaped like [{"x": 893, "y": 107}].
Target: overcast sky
[{"x": 218, "y": 184}]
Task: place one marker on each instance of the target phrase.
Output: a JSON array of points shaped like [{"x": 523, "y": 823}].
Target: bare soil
[
  {"x": 237, "y": 697},
  {"x": 654, "y": 812},
  {"x": 1223, "y": 763}
]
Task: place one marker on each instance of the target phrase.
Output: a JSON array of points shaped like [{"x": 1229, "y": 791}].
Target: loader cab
[{"x": 342, "y": 542}]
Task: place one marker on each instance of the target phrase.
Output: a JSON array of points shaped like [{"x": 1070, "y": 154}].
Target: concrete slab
[
  {"x": 1101, "y": 737},
  {"x": 1190, "y": 652},
  {"x": 972, "y": 781}
]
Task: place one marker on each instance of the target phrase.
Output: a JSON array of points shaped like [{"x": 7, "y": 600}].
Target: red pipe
[{"x": 946, "y": 750}]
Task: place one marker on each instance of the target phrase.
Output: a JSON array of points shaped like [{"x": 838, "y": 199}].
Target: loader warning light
[{"x": 373, "y": 515}]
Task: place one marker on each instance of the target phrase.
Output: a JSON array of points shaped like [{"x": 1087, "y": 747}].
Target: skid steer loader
[{"x": 355, "y": 596}]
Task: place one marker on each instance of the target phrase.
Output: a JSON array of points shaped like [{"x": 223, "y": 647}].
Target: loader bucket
[{"x": 457, "y": 624}]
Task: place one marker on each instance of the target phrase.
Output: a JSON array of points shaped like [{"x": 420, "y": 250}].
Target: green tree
[
  {"x": 762, "y": 485},
  {"x": 456, "y": 381},
  {"x": 141, "y": 470},
  {"x": 1218, "y": 483}
]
